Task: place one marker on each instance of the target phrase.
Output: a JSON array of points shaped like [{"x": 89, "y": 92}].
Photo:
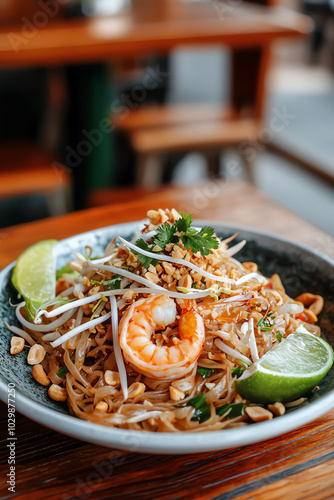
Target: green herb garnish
[
  {"x": 205, "y": 372},
  {"x": 237, "y": 371},
  {"x": 202, "y": 241},
  {"x": 234, "y": 410},
  {"x": 62, "y": 372},
  {"x": 279, "y": 336},
  {"x": 202, "y": 409},
  {"x": 113, "y": 284},
  {"x": 66, "y": 270},
  {"x": 242, "y": 363},
  {"x": 266, "y": 324}
]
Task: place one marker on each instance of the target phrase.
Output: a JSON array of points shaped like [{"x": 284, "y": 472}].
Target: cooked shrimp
[{"x": 170, "y": 361}]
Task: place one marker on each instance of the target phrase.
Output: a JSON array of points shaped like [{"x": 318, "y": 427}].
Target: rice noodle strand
[{"x": 117, "y": 349}]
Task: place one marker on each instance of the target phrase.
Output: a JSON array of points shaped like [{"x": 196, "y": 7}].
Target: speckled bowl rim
[{"x": 169, "y": 443}]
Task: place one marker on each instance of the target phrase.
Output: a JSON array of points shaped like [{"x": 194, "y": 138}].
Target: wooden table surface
[
  {"x": 297, "y": 465},
  {"x": 141, "y": 30}
]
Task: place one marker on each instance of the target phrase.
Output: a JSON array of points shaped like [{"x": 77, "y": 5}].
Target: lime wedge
[
  {"x": 287, "y": 372},
  {"x": 34, "y": 275}
]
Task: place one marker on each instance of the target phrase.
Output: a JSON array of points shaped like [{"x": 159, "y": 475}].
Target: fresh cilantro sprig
[
  {"x": 145, "y": 261},
  {"x": 267, "y": 322},
  {"x": 113, "y": 284},
  {"x": 66, "y": 270},
  {"x": 202, "y": 241}
]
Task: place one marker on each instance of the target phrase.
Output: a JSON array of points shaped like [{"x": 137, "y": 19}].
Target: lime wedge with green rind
[
  {"x": 287, "y": 372},
  {"x": 34, "y": 275}
]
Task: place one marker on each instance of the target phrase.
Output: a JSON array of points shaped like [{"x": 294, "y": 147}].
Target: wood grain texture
[
  {"x": 229, "y": 201},
  {"x": 97, "y": 39},
  {"x": 298, "y": 465}
]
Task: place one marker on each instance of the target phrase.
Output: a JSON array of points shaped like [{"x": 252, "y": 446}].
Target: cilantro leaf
[
  {"x": 202, "y": 241},
  {"x": 113, "y": 284},
  {"x": 164, "y": 235},
  {"x": 234, "y": 410},
  {"x": 267, "y": 322},
  {"x": 145, "y": 261},
  {"x": 66, "y": 270},
  {"x": 183, "y": 224},
  {"x": 205, "y": 372}
]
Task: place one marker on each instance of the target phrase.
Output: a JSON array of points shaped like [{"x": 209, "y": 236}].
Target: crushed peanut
[
  {"x": 258, "y": 414},
  {"x": 39, "y": 375},
  {"x": 36, "y": 354},
  {"x": 136, "y": 389},
  {"x": 277, "y": 408},
  {"x": 16, "y": 345},
  {"x": 175, "y": 394},
  {"x": 102, "y": 406},
  {"x": 57, "y": 393},
  {"x": 112, "y": 378}
]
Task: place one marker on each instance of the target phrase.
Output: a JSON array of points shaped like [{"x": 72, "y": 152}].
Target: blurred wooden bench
[
  {"x": 26, "y": 170},
  {"x": 155, "y": 131}
]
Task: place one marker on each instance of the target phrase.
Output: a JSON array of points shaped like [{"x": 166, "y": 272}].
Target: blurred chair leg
[
  {"x": 213, "y": 163},
  {"x": 249, "y": 167},
  {"x": 58, "y": 203},
  {"x": 149, "y": 170}
]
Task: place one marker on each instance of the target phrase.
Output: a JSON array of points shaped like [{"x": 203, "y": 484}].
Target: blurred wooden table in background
[
  {"x": 144, "y": 30},
  {"x": 155, "y": 27},
  {"x": 298, "y": 465}
]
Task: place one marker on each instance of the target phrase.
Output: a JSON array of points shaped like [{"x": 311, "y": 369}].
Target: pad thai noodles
[{"x": 152, "y": 335}]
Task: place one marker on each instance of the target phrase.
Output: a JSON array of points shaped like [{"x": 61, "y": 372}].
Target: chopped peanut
[
  {"x": 238, "y": 399},
  {"x": 16, "y": 345},
  {"x": 185, "y": 281},
  {"x": 39, "y": 375},
  {"x": 175, "y": 394},
  {"x": 102, "y": 406},
  {"x": 169, "y": 268},
  {"x": 277, "y": 408},
  {"x": 36, "y": 354},
  {"x": 136, "y": 389},
  {"x": 258, "y": 414},
  {"x": 250, "y": 266},
  {"x": 111, "y": 378},
  {"x": 57, "y": 393}
]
